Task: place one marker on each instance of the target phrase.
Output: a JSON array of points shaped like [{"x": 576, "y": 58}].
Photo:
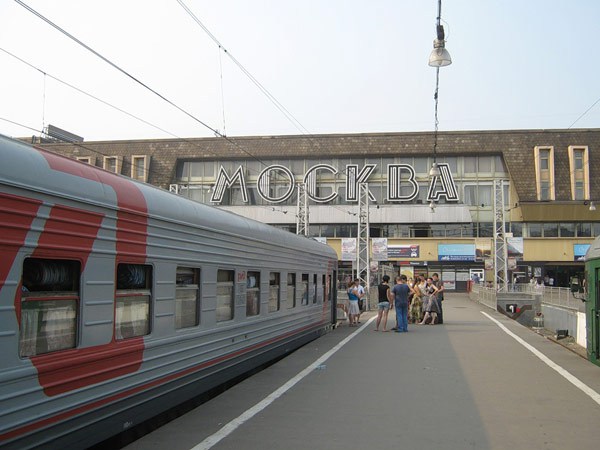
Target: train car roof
[{"x": 30, "y": 168}]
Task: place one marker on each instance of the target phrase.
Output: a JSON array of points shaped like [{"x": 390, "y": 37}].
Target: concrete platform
[{"x": 478, "y": 381}]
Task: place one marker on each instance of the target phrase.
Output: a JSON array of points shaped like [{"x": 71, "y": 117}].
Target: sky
[{"x": 336, "y": 66}]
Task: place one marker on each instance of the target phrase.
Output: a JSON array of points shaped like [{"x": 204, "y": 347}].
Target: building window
[
  {"x": 112, "y": 164},
  {"x": 49, "y": 304},
  {"x": 544, "y": 172},
  {"x": 139, "y": 167},
  {"x": 567, "y": 230},
  {"x": 253, "y": 294},
  {"x": 86, "y": 159},
  {"x": 132, "y": 316},
  {"x": 584, "y": 229},
  {"x": 187, "y": 297},
  {"x": 550, "y": 229},
  {"x": 225, "y": 295},
  {"x": 580, "y": 175},
  {"x": 274, "y": 291}
]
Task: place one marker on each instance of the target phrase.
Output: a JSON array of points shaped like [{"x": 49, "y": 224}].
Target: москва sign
[{"x": 401, "y": 183}]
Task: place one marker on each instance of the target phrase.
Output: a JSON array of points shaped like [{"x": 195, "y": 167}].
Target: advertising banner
[
  {"x": 349, "y": 249},
  {"x": 579, "y": 251},
  {"x": 403, "y": 251},
  {"x": 380, "y": 249},
  {"x": 514, "y": 247},
  {"x": 456, "y": 252}
]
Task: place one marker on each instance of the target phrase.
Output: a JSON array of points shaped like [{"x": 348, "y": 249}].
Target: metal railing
[
  {"x": 555, "y": 296},
  {"x": 561, "y": 297},
  {"x": 485, "y": 295}
]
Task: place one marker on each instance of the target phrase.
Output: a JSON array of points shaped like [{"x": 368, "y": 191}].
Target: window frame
[
  {"x": 230, "y": 283},
  {"x": 134, "y": 175},
  {"x": 181, "y": 318},
  {"x": 544, "y": 177},
  {"x": 133, "y": 294},
  {"x": 118, "y": 163},
  {"x": 33, "y": 293},
  {"x": 579, "y": 175}
]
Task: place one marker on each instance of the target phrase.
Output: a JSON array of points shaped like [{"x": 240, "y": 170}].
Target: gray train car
[{"x": 119, "y": 300}]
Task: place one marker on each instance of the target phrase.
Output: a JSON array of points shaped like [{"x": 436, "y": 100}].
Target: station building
[{"x": 418, "y": 224}]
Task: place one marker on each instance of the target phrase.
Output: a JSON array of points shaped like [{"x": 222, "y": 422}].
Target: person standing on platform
[
  {"x": 400, "y": 292},
  {"x": 440, "y": 296},
  {"x": 361, "y": 300},
  {"x": 431, "y": 310},
  {"x": 415, "y": 310},
  {"x": 353, "y": 310},
  {"x": 383, "y": 307}
]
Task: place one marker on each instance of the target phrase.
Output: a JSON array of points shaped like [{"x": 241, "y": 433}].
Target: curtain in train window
[
  {"x": 187, "y": 297},
  {"x": 274, "y": 291},
  {"x": 252, "y": 293},
  {"x": 225, "y": 295},
  {"x": 304, "y": 289},
  {"x": 132, "y": 315},
  {"x": 291, "y": 290},
  {"x": 49, "y": 305}
]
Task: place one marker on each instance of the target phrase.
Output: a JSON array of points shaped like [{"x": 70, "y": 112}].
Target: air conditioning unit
[{"x": 174, "y": 188}]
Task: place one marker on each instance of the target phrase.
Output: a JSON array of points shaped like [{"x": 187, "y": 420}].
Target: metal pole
[{"x": 363, "y": 260}]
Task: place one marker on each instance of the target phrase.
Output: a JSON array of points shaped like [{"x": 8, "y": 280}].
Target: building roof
[{"x": 515, "y": 146}]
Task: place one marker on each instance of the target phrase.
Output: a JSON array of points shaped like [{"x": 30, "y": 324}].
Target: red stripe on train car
[
  {"x": 132, "y": 214},
  {"x": 87, "y": 366},
  {"x": 68, "y": 233},
  {"x": 16, "y": 216},
  {"x": 106, "y": 400}
]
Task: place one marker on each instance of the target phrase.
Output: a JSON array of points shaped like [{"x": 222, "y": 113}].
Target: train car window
[
  {"x": 291, "y": 290},
  {"x": 253, "y": 293},
  {"x": 49, "y": 305},
  {"x": 326, "y": 285},
  {"x": 304, "y": 288},
  {"x": 225, "y": 295},
  {"x": 187, "y": 297},
  {"x": 134, "y": 291},
  {"x": 274, "y": 291},
  {"x": 313, "y": 289}
]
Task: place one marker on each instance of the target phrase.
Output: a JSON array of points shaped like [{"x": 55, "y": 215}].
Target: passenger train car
[
  {"x": 592, "y": 270},
  {"x": 119, "y": 300}
]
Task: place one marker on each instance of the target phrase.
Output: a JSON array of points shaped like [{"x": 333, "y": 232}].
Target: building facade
[{"x": 417, "y": 224}]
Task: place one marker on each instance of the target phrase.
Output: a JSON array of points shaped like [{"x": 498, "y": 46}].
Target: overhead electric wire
[
  {"x": 581, "y": 116},
  {"x": 245, "y": 71},
  {"x": 88, "y": 94},
  {"x": 123, "y": 71},
  {"x": 214, "y": 130}
]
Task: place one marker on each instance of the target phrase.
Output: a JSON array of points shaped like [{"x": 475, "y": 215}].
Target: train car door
[
  {"x": 333, "y": 295},
  {"x": 594, "y": 319}
]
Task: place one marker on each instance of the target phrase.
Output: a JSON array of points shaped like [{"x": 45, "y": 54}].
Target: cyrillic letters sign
[{"x": 402, "y": 185}]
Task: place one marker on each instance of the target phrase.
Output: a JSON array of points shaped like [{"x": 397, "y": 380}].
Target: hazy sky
[{"x": 338, "y": 66}]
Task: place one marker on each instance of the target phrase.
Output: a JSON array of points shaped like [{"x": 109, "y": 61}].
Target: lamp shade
[{"x": 439, "y": 57}]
